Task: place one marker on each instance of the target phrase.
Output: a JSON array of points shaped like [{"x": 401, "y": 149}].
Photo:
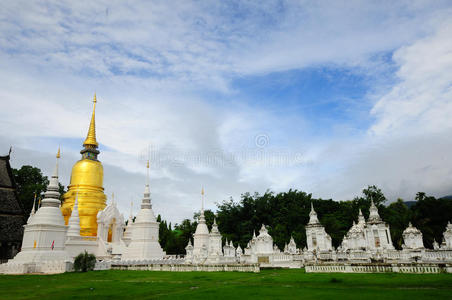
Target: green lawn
[{"x": 267, "y": 284}]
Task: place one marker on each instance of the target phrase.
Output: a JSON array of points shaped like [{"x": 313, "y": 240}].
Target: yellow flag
[
  {"x": 34, "y": 245},
  {"x": 202, "y": 191}
]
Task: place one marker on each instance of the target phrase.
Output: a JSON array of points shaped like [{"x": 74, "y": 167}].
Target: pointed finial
[
  {"x": 91, "y": 137},
  {"x": 147, "y": 172},
  {"x": 360, "y": 212},
  {"x": 312, "y": 206},
  {"x": 58, "y": 153},
  {"x": 112, "y": 198},
  {"x": 33, "y": 208},
  {"x": 202, "y": 199}
]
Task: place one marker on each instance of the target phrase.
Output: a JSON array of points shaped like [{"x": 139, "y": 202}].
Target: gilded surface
[{"x": 87, "y": 180}]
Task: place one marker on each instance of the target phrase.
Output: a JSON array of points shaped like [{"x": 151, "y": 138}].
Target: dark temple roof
[{"x": 12, "y": 215}]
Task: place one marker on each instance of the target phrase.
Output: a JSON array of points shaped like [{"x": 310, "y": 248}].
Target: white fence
[
  {"x": 189, "y": 268},
  {"x": 379, "y": 268}
]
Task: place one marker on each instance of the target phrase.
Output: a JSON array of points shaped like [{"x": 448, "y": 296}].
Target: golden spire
[
  {"x": 91, "y": 137},
  {"x": 58, "y": 153},
  {"x": 202, "y": 202}
]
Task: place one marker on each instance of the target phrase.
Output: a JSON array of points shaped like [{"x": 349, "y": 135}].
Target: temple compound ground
[{"x": 268, "y": 284}]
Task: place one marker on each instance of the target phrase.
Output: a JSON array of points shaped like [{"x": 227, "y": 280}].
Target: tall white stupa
[
  {"x": 201, "y": 236},
  {"x": 45, "y": 231},
  {"x": 144, "y": 243}
]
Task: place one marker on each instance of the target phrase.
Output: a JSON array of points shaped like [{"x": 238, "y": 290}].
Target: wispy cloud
[{"x": 166, "y": 74}]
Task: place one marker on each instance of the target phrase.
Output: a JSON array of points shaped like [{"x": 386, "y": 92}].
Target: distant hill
[{"x": 409, "y": 203}]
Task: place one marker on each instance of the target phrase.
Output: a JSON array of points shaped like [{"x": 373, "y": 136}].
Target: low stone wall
[
  {"x": 379, "y": 268},
  {"x": 46, "y": 267},
  {"x": 188, "y": 268}
]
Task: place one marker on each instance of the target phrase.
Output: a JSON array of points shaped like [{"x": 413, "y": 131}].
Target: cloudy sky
[{"x": 235, "y": 96}]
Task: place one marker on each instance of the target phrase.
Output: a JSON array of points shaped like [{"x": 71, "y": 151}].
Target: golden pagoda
[{"x": 87, "y": 180}]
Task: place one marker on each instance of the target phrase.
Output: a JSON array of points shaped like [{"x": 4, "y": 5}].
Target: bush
[{"x": 84, "y": 262}]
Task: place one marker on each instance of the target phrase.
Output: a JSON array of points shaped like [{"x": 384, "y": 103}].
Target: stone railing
[
  {"x": 46, "y": 267},
  {"x": 378, "y": 268},
  {"x": 189, "y": 268},
  {"x": 437, "y": 255},
  {"x": 279, "y": 257}
]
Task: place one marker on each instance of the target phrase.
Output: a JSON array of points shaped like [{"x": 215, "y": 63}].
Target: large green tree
[{"x": 30, "y": 181}]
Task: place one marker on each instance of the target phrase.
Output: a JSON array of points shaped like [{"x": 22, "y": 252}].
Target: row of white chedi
[
  {"x": 46, "y": 236},
  {"x": 373, "y": 234}
]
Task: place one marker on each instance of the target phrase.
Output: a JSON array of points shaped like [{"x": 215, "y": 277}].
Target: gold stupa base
[{"x": 90, "y": 202}]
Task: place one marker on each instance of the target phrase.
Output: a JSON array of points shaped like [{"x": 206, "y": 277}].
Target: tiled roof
[
  {"x": 12, "y": 216},
  {"x": 5, "y": 179},
  {"x": 11, "y": 228}
]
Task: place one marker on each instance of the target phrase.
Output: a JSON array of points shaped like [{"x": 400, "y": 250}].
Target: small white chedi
[
  {"x": 316, "y": 237},
  {"x": 371, "y": 235},
  {"x": 412, "y": 238},
  {"x": 144, "y": 243},
  {"x": 206, "y": 248}
]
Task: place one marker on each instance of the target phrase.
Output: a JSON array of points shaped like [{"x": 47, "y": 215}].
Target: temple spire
[
  {"x": 313, "y": 216},
  {"x": 147, "y": 173},
  {"x": 90, "y": 140},
  {"x": 202, "y": 200},
  {"x": 146, "y": 202},
  {"x": 373, "y": 212},
  {"x": 52, "y": 195},
  {"x": 34, "y": 204},
  {"x": 32, "y": 213},
  {"x": 202, "y": 218},
  {"x": 361, "y": 219}
]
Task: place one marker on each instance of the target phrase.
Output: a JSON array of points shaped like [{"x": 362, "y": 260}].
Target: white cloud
[{"x": 155, "y": 66}]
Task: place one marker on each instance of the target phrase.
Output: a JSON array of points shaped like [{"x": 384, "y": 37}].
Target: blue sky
[{"x": 235, "y": 96}]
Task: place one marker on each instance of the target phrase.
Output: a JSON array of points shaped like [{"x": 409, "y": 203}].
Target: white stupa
[
  {"x": 145, "y": 231},
  {"x": 201, "y": 236},
  {"x": 412, "y": 238},
  {"x": 45, "y": 231},
  {"x": 316, "y": 236},
  {"x": 127, "y": 237}
]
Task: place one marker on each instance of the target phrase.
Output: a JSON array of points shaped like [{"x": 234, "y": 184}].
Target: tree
[
  {"x": 397, "y": 215},
  {"x": 84, "y": 262},
  {"x": 374, "y": 193},
  {"x": 430, "y": 215},
  {"x": 29, "y": 180}
]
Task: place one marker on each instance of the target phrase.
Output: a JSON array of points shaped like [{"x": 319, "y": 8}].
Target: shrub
[
  {"x": 335, "y": 280},
  {"x": 84, "y": 262}
]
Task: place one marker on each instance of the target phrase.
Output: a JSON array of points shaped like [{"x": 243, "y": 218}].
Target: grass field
[{"x": 220, "y": 285}]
